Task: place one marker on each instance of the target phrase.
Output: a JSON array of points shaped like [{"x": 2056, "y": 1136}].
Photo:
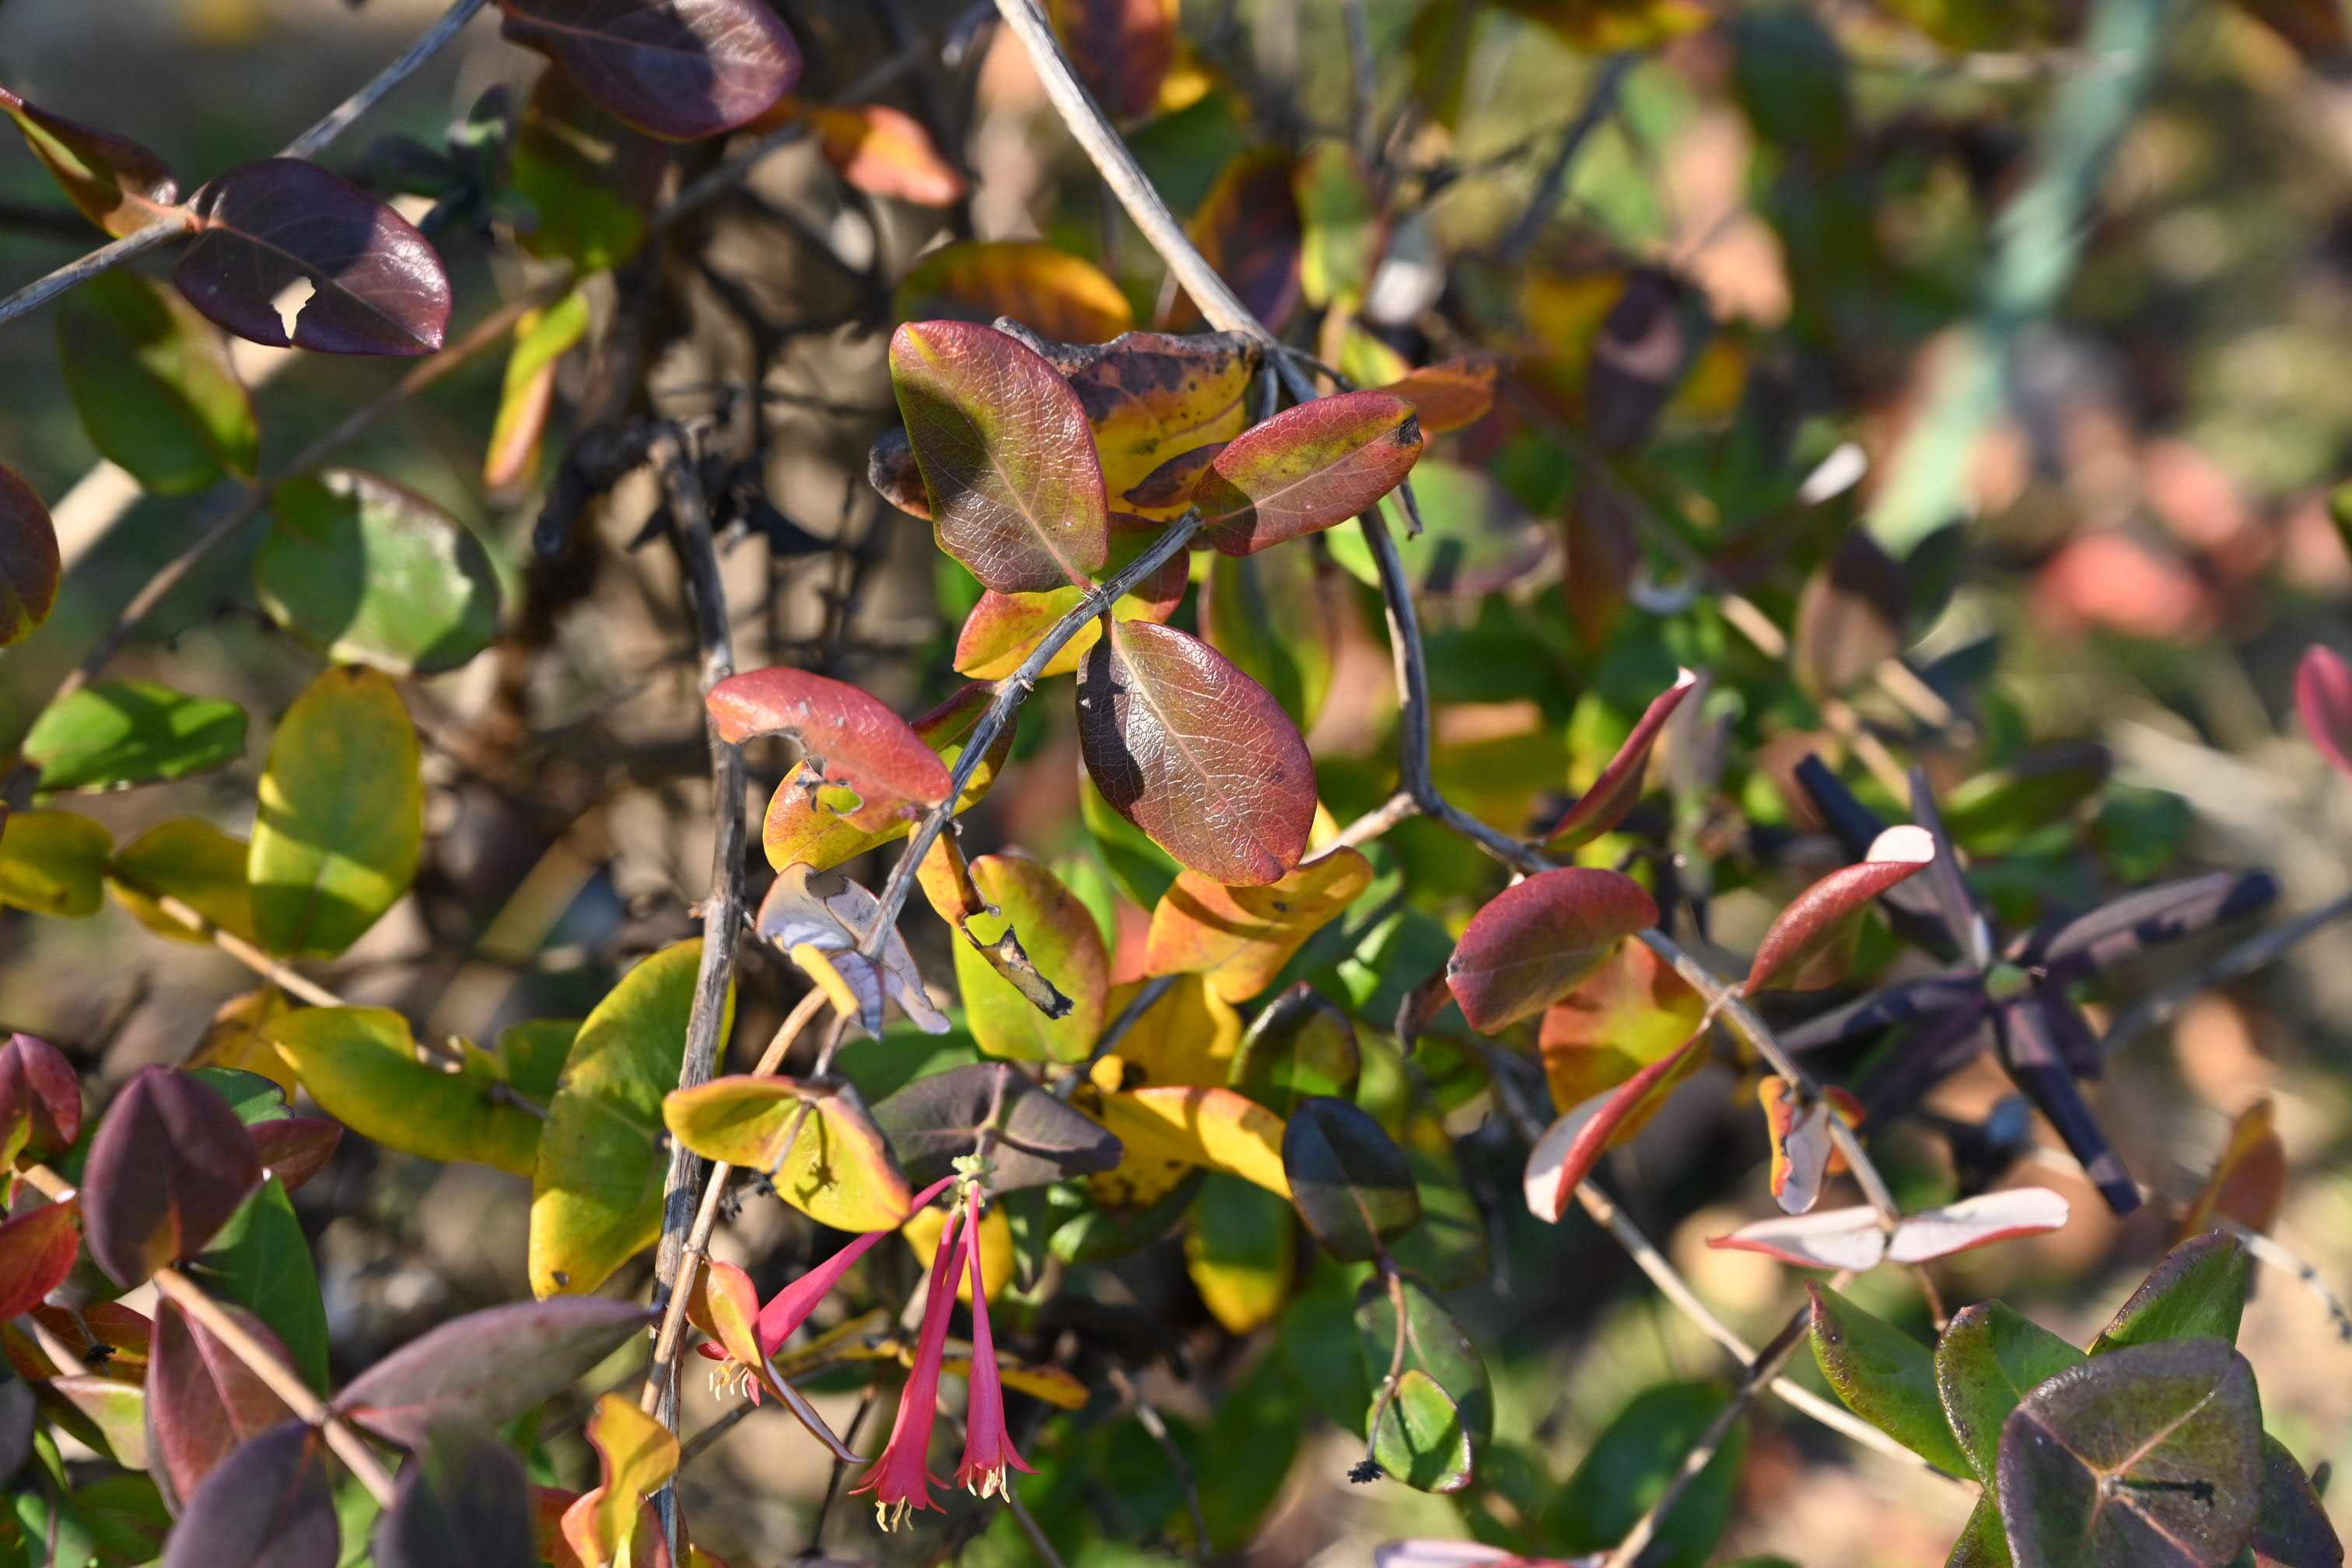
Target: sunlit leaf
[
  {"x": 1574, "y": 1144},
  {"x": 2248, "y": 1183},
  {"x": 860, "y": 758},
  {"x": 635, "y": 1454},
  {"x": 169, "y": 1167},
  {"x": 1238, "y": 938},
  {"x": 802, "y": 825},
  {"x": 1452, "y": 394},
  {"x": 1853, "y": 1238},
  {"x": 202, "y": 1401},
  {"x": 683, "y": 70},
  {"x": 360, "y": 1064},
  {"x": 342, "y": 814},
  {"x": 1307, "y": 468},
  {"x": 831, "y": 1163},
  {"x": 238, "y": 1038},
  {"x": 1198, "y": 1124},
  {"x": 1155, "y": 402},
  {"x": 1341, "y": 226},
  {"x": 117, "y": 184},
  {"x": 1050, "y": 292},
  {"x": 1195, "y": 753},
  {"x": 1240, "y": 1252},
  {"x": 1800, "y": 1133},
  {"x": 1624, "y": 1015},
  {"x": 367, "y": 571},
  {"x": 116, "y": 733},
  {"x": 1189, "y": 1036},
  {"x": 996, "y": 1254},
  {"x": 1810, "y": 942},
  {"x": 463, "y": 1502},
  {"x": 1884, "y": 1375},
  {"x": 1063, "y": 941},
  {"x": 1987, "y": 1359},
  {"x": 271, "y": 229},
  {"x": 29, "y": 559},
  {"x": 1537, "y": 940},
  {"x": 885, "y": 152},
  {"x": 1039, "y": 1139},
  {"x": 1123, "y": 48},
  {"x": 2198, "y": 1290},
  {"x": 36, "y": 1253},
  {"x": 527, "y": 395},
  {"x": 152, "y": 383},
  {"x": 488, "y": 1367},
  {"x": 295, "y": 1148},
  {"x": 829, "y": 915},
  {"x": 1298, "y": 1045},
  {"x": 267, "y": 1504},
  {"x": 1004, "y": 629},
  {"x": 1614, "y": 792},
  {"x": 53, "y": 863},
  {"x": 1421, "y": 1440},
  {"x": 596, "y": 1191}
]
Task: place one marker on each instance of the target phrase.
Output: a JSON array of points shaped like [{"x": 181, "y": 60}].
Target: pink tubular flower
[
  {"x": 901, "y": 1480},
  {"x": 789, "y": 1308},
  {"x": 987, "y": 1446}
]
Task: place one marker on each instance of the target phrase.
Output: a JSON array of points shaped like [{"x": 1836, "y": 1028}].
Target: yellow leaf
[
  {"x": 238, "y": 1036},
  {"x": 837, "y": 1169},
  {"x": 1240, "y": 1248},
  {"x": 1198, "y": 1124},
  {"x": 1050, "y": 1383},
  {"x": 360, "y": 1064},
  {"x": 637, "y": 1454},
  {"x": 1238, "y": 938},
  {"x": 1189, "y": 1035}
]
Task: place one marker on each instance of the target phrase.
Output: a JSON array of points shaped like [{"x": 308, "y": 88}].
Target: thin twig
[
  {"x": 2161, "y": 1005},
  {"x": 2279, "y": 1256},
  {"x": 1599, "y": 104},
  {"x": 181, "y": 220},
  {"x": 1038, "y": 1542},
  {"x": 252, "y": 957}
]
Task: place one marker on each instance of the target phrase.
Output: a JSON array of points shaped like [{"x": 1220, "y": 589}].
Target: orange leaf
[
  {"x": 885, "y": 152},
  {"x": 2249, "y": 1180},
  {"x": 1238, "y": 938}
]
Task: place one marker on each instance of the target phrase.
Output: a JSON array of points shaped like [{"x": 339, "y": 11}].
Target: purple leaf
[
  {"x": 202, "y": 1401},
  {"x": 297, "y": 1148},
  {"x": 2035, "y": 1053},
  {"x": 2323, "y": 693},
  {"x": 170, "y": 1165},
  {"x": 463, "y": 1502},
  {"x": 29, "y": 560},
  {"x": 2117, "y": 930},
  {"x": 40, "y": 1098},
  {"x": 1884, "y": 1007},
  {"x": 489, "y": 1366},
  {"x": 266, "y": 1506},
  {"x": 1612, "y": 794},
  {"x": 679, "y": 69},
  {"x": 274, "y": 228}
]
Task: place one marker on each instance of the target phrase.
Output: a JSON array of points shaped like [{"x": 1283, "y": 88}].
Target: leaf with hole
[
  {"x": 1347, "y": 1178},
  {"x": 596, "y": 1191},
  {"x": 1614, "y": 792},
  {"x": 1240, "y": 1252},
  {"x": 1060, "y": 938},
  {"x": 367, "y": 571},
  {"x": 1195, "y": 753},
  {"x": 202, "y": 1401},
  {"x": 463, "y": 1502},
  {"x": 343, "y": 816},
  {"x": 1811, "y": 944},
  {"x": 29, "y": 559},
  {"x": 2150, "y": 1456},
  {"x": 2197, "y": 1289},
  {"x": 267, "y": 1505},
  {"x": 1884, "y": 1376},
  {"x": 1006, "y": 453},
  {"x": 801, "y": 826},
  {"x": 197, "y": 863},
  {"x": 1537, "y": 941},
  {"x": 117, "y": 184},
  {"x": 682, "y": 72},
  {"x": 1039, "y": 1139},
  {"x": 885, "y": 152},
  {"x": 1300, "y": 1043},
  {"x": 1239, "y": 938},
  {"x": 117, "y": 733},
  {"x": 360, "y": 1064},
  {"x": 1989, "y": 1358},
  {"x": 1050, "y": 292},
  {"x": 488, "y": 1367},
  {"x": 283, "y": 240},
  {"x": 170, "y": 1165},
  {"x": 53, "y": 863},
  {"x": 151, "y": 380},
  {"x": 1574, "y": 1144},
  {"x": 836, "y": 1168},
  {"x": 1307, "y": 468}
]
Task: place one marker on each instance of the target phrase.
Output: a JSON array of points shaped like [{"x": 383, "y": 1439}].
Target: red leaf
[
  {"x": 682, "y": 69},
  {"x": 36, "y": 1253},
  {"x": 489, "y": 1366},
  {"x": 1006, "y": 453},
  {"x": 797, "y": 828},
  {"x": 2323, "y": 691},
  {"x": 1154, "y": 399},
  {"x": 1532, "y": 944},
  {"x": 170, "y": 1165},
  {"x": 29, "y": 560},
  {"x": 1305, "y": 469},
  {"x": 852, "y": 742},
  {"x": 1809, "y": 945},
  {"x": 1196, "y": 753},
  {"x": 1248, "y": 228},
  {"x": 377, "y": 285},
  {"x": 1451, "y": 394},
  {"x": 886, "y": 152},
  {"x": 1613, "y": 794},
  {"x": 1123, "y": 48},
  {"x": 202, "y": 1401},
  {"x": 268, "y": 1505},
  {"x": 117, "y": 184},
  {"x": 1569, "y": 1148},
  {"x": 295, "y": 1148},
  {"x": 40, "y": 1100}
]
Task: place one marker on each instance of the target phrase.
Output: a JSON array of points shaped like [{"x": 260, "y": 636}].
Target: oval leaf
[
  {"x": 1451, "y": 394},
  {"x": 29, "y": 560},
  {"x": 1987, "y": 1359},
  {"x": 488, "y": 1367},
  {"x": 801, "y": 827},
  {"x": 343, "y": 816},
  {"x": 1535, "y": 942},
  {"x": 1240, "y": 1252},
  {"x": 1238, "y": 938},
  {"x": 36, "y": 1253},
  {"x": 1435, "y": 1343},
  {"x": 202, "y": 1401},
  {"x": 1884, "y": 1376},
  {"x": 1122, "y": 50},
  {"x": 1194, "y": 752},
  {"x": 1630, "y": 1012},
  {"x": 367, "y": 571},
  {"x": 1307, "y": 468},
  {"x": 40, "y": 1100},
  {"x": 1061, "y": 941},
  {"x": 2198, "y": 1290},
  {"x": 274, "y": 228},
  {"x": 1347, "y": 1178},
  {"x": 117, "y": 184},
  {"x": 152, "y": 383},
  {"x": 1826, "y": 1238},
  {"x": 1811, "y": 941},
  {"x": 171, "y": 1163},
  {"x": 835, "y": 1169},
  {"x": 117, "y": 733},
  {"x": 360, "y": 1064},
  {"x": 1301, "y": 1044},
  {"x": 205, "y": 868},
  {"x": 1421, "y": 1440},
  {"x": 1974, "y": 1222},
  {"x": 463, "y": 1502},
  {"x": 1039, "y": 1140},
  {"x": 681, "y": 70},
  {"x": 885, "y": 152},
  {"x": 53, "y": 863},
  {"x": 1201, "y": 1124},
  {"x": 267, "y": 1505},
  {"x": 862, "y": 763}
]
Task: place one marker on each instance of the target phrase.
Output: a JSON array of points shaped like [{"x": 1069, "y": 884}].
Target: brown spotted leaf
[{"x": 1152, "y": 398}]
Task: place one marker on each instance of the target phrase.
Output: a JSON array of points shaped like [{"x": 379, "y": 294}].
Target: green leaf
[
  {"x": 369, "y": 573},
  {"x": 126, "y": 1517},
  {"x": 1884, "y": 1376},
  {"x": 123, "y": 732},
  {"x": 587, "y": 180},
  {"x": 1089, "y": 1233},
  {"x": 814, "y": 1141},
  {"x": 1241, "y": 1252},
  {"x": 2149, "y": 1455},
  {"x": 1628, "y": 1469},
  {"x": 360, "y": 1064},
  {"x": 1300, "y": 1045},
  {"x": 1340, "y": 224},
  {"x": 1448, "y": 1248},
  {"x": 1989, "y": 1359},
  {"x": 51, "y": 862},
  {"x": 1278, "y": 616},
  {"x": 1061, "y": 939},
  {"x": 254, "y": 1098},
  {"x": 1435, "y": 1344},
  {"x": 596, "y": 1194},
  {"x": 1421, "y": 1441},
  {"x": 1253, "y": 1439},
  {"x": 2196, "y": 1289},
  {"x": 151, "y": 380},
  {"x": 1347, "y": 1178},
  {"x": 1474, "y": 538},
  {"x": 343, "y": 816},
  {"x": 1318, "y": 1343},
  {"x": 190, "y": 860},
  {"x": 1984, "y": 1540},
  {"x": 261, "y": 1261},
  {"x": 530, "y": 1055}
]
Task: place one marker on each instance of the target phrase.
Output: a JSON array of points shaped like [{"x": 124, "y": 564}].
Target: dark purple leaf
[
  {"x": 202, "y": 1401},
  {"x": 488, "y": 1367},
  {"x": 29, "y": 560},
  {"x": 297, "y": 1148},
  {"x": 1942, "y": 880},
  {"x": 41, "y": 1099},
  {"x": 273, "y": 229},
  {"x": 1348, "y": 1179},
  {"x": 1646, "y": 340},
  {"x": 1911, "y": 906},
  {"x": 463, "y": 1502},
  {"x": 2291, "y": 1527},
  {"x": 36, "y": 1253},
  {"x": 170, "y": 1165},
  {"x": 680, "y": 69},
  {"x": 268, "y": 1505},
  {"x": 2033, "y": 1050},
  {"x": 1039, "y": 1139},
  {"x": 2117, "y": 930},
  {"x": 1248, "y": 228},
  {"x": 1884, "y": 1007}
]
